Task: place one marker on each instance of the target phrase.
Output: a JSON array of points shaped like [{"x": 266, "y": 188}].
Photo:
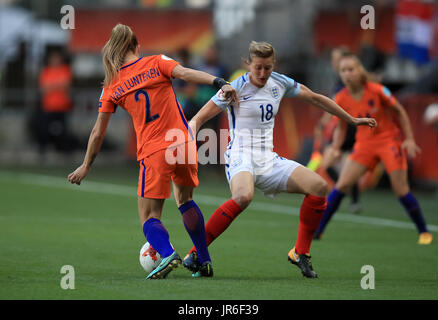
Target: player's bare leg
[
  {"x": 315, "y": 188},
  {"x": 149, "y": 208},
  {"x": 242, "y": 189},
  {"x": 400, "y": 186},
  {"x": 350, "y": 174}
]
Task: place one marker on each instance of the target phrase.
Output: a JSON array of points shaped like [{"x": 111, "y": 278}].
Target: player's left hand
[
  {"x": 79, "y": 174},
  {"x": 411, "y": 148},
  {"x": 230, "y": 94},
  {"x": 371, "y": 122}
]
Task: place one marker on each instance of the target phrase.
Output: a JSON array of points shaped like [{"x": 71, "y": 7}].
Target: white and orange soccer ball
[{"x": 149, "y": 258}]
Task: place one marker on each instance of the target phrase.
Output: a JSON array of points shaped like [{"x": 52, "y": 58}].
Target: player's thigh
[
  {"x": 242, "y": 188},
  {"x": 393, "y": 156},
  {"x": 305, "y": 181},
  {"x": 399, "y": 182},
  {"x": 149, "y": 208},
  {"x": 350, "y": 174}
]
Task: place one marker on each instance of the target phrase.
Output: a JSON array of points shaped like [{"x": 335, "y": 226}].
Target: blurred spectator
[
  {"x": 55, "y": 81},
  {"x": 212, "y": 66},
  {"x": 240, "y": 71},
  {"x": 186, "y": 91},
  {"x": 324, "y": 130}
]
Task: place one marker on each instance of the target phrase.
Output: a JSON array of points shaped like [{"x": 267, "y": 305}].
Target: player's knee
[
  {"x": 243, "y": 199},
  {"x": 320, "y": 188},
  {"x": 181, "y": 200},
  {"x": 342, "y": 187},
  {"x": 183, "y": 197}
]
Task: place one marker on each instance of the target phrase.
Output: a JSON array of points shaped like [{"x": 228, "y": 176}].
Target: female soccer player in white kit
[{"x": 250, "y": 160}]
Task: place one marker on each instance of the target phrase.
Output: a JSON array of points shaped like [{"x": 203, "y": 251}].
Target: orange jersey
[
  {"x": 375, "y": 103},
  {"x": 56, "y": 99},
  {"x": 143, "y": 88}
]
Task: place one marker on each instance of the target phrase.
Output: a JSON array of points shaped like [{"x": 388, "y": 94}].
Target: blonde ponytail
[{"x": 122, "y": 40}]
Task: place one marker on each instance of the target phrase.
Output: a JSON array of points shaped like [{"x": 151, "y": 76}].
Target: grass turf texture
[{"x": 45, "y": 224}]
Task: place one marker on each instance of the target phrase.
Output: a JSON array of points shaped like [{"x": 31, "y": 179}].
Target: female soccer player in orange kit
[
  {"x": 142, "y": 86},
  {"x": 363, "y": 98}
]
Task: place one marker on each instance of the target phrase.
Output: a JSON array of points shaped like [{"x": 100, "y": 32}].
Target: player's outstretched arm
[
  {"x": 208, "y": 111},
  {"x": 94, "y": 144},
  {"x": 201, "y": 77},
  {"x": 330, "y": 106},
  {"x": 409, "y": 143}
]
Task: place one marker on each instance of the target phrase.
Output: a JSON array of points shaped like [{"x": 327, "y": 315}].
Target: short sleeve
[
  {"x": 166, "y": 65},
  {"x": 105, "y": 102},
  {"x": 292, "y": 88},
  {"x": 219, "y": 98},
  {"x": 388, "y": 100}
]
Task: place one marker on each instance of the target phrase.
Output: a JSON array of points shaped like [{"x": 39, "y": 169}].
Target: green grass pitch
[{"x": 46, "y": 223}]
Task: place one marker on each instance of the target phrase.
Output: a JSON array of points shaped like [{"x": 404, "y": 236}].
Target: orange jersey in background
[
  {"x": 375, "y": 103},
  {"x": 55, "y": 81},
  {"x": 382, "y": 143},
  {"x": 144, "y": 89}
]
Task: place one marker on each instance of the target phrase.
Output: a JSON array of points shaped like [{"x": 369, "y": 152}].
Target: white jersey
[{"x": 252, "y": 123}]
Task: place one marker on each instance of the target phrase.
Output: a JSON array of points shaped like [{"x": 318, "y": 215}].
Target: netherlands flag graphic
[{"x": 414, "y": 29}]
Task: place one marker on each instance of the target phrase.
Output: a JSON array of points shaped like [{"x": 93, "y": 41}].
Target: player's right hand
[
  {"x": 371, "y": 122},
  {"x": 79, "y": 174},
  {"x": 230, "y": 94}
]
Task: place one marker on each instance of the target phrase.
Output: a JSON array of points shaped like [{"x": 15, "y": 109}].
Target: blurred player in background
[
  {"x": 364, "y": 98},
  {"x": 322, "y": 160},
  {"x": 142, "y": 86},
  {"x": 55, "y": 82},
  {"x": 250, "y": 160}
]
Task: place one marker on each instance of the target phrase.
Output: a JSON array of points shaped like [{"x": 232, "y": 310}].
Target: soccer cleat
[
  {"x": 191, "y": 262},
  {"x": 302, "y": 261},
  {"x": 206, "y": 270},
  {"x": 167, "y": 265},
  {"x": 355, "y": 208},
  {"x": 425, "y": 238}
]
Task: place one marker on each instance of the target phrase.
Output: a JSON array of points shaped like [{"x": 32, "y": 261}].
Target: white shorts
[{"x": 271, "y": 172}]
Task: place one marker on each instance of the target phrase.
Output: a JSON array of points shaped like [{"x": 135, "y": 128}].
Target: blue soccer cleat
[
  {"x": 206, "y": 270},
  {"x": 167, "y": 265}
]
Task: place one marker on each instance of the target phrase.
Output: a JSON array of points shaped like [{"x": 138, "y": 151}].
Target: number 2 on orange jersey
[{"x": 149, "y": 118}]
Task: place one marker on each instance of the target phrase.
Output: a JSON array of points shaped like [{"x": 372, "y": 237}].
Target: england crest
[{"x": 275, "y": 92}]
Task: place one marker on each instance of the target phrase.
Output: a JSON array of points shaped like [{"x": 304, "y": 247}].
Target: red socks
[
  {"x": 220, "y": 220},
  {"x": 311, "y": 213}
]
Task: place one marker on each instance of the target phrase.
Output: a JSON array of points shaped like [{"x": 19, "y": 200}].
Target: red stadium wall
[
  {"x": 156, "y": 30},
  {"x": 330, "y": 30}
]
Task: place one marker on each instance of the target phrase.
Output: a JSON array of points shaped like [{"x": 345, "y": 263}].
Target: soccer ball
[
  {"x": 431, "y": 114},
  {"x": 149, "y": 258}
]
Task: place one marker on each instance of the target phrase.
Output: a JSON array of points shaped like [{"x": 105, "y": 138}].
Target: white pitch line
[{"x": 121, "y": 190}]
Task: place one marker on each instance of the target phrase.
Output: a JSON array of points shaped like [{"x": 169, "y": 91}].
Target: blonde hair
[
  {"x": 260, "y": 49},
  {"x": 365, "y": 77},
  {"x": 121, "y": 41}
]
